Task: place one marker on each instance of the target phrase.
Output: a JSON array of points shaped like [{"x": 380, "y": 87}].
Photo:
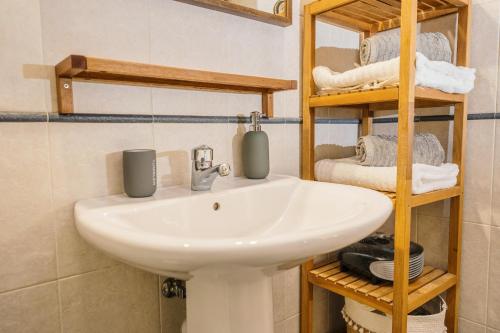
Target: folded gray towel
[
  {"x": 385, "y": 46},
  {"x": 381, "y": 150}
]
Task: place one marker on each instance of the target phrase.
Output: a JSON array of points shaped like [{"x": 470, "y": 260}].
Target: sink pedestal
[{"x": 229, "y": 300}]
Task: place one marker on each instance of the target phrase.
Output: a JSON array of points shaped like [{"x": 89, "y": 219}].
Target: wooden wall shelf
[
  {"x": 77, "y": 67},
  {"x": 243, "y": 11},
  {"x": 247, "y": 12}
]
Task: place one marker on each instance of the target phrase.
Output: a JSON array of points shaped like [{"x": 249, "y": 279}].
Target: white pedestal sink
[{"x": 229, "y": 241}]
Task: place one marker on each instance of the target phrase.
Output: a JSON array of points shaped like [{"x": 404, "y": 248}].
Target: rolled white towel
[
  {"x": 372, "y": 76},
  {"x": 347, "y": 171}
]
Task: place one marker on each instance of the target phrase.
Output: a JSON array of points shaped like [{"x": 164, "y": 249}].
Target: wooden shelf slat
[
  {"x": 77, "y": 67},
  {"x": 325, "y": 268},
  {"x": 422, "y": 16},
  {"x": 428, "y": 285},
  {"x": 428, "y": 275},
  {"x": 431, "y": 290},
  {"x": 429, "y": 94},
  {"x": 371, "y": 96},
  {"x": 379, "y": 15},
  {"x": 345, "y": 21},
  {"x": 385, "y": 98},
  {"x": 430, "y": 197}
]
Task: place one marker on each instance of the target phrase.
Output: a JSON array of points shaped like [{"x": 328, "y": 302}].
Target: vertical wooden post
[
  {"x": 308, "y": 123},
  {"x": 307, "y": 90},
  {"x": 306, "y": 298},
  {"x": 404, "y": 164},
  {"x": 366, "y": 114},
  {"x": 456, "y": 207},
  {"x": 64, "y": 88},
  {"x": 366, "y": 121},
  {"x": 267, "y": 104}
]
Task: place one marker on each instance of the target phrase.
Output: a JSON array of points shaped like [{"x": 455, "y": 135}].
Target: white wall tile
[
  {"x": 116, "y": 29},
  {"x": 466, "y": 326},
  {"x": 27, "y": 239},
  {"x": 432, "y": 234},
  {"x": 292, "y": 150},
  {"x": 24, "y": 78},
  {"x": 495, "y": 204},
  {"x": 32, "y": 309},
  {"x": 474, "y": 277},
  {"x": 493, "y": 320},
  {"x": 118, "y": 299},
  {"x": 479, "y": 171},
  {"x": 86, "y": 162},
  {"x": 242, "y": 50},
  {"x": 485, "y": 32},
  {"x": 204, "y": 103}
]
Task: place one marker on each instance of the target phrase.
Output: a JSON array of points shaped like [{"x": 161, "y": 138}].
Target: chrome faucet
[{"x": 203, "y": 173}]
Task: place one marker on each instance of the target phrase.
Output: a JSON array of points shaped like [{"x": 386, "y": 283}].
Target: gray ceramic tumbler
[{"x": 139, "y": 172}]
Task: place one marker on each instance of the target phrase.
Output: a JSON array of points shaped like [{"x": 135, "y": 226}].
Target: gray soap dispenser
[{"x": 255, "y": 150}]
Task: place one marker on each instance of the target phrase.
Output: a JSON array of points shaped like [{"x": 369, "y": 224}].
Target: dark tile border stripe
[
  {"x": 22, "y": 117},
  {"x": 99, "y": 118},
  {"x": 443, "y": 117},
  {"x": 182, "y": 119}
]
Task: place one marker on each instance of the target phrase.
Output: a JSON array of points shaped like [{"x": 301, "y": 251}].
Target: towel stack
[
  {"x": 379, "y": 56},
  {"x": 374, "y": 165}
]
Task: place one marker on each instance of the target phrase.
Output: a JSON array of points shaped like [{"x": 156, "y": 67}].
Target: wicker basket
[{"x": 363, "y": 319}]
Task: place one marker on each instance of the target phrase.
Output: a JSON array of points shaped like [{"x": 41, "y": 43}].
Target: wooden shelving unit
[
  {"x": 77, "y": 67},
  {"x": 368, "y": 17}
]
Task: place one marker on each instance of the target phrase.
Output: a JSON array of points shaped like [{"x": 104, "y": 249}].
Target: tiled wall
[
  {"x": 50, "y": 279},
  {"x": 480, "y": 304}
]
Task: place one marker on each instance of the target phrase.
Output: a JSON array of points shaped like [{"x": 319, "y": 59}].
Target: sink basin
[{"x": 229, "y": 241}]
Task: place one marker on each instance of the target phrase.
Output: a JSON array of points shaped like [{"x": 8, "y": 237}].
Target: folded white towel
[
  {"x": 433, "y": 74},
  {"x": 444, "y": 76},
  {"x": 426, "y": 178}
]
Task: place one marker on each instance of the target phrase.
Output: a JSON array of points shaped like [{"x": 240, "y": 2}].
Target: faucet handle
[
  {"x": 202, "y": 156},
  {"x": 224, "y": 169}
]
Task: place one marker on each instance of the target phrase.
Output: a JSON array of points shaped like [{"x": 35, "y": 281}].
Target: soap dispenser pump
[{"x": 255, "y": 150}]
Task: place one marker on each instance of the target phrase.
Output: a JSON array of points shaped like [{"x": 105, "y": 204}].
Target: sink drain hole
[{"x": 216, "y": 206}]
